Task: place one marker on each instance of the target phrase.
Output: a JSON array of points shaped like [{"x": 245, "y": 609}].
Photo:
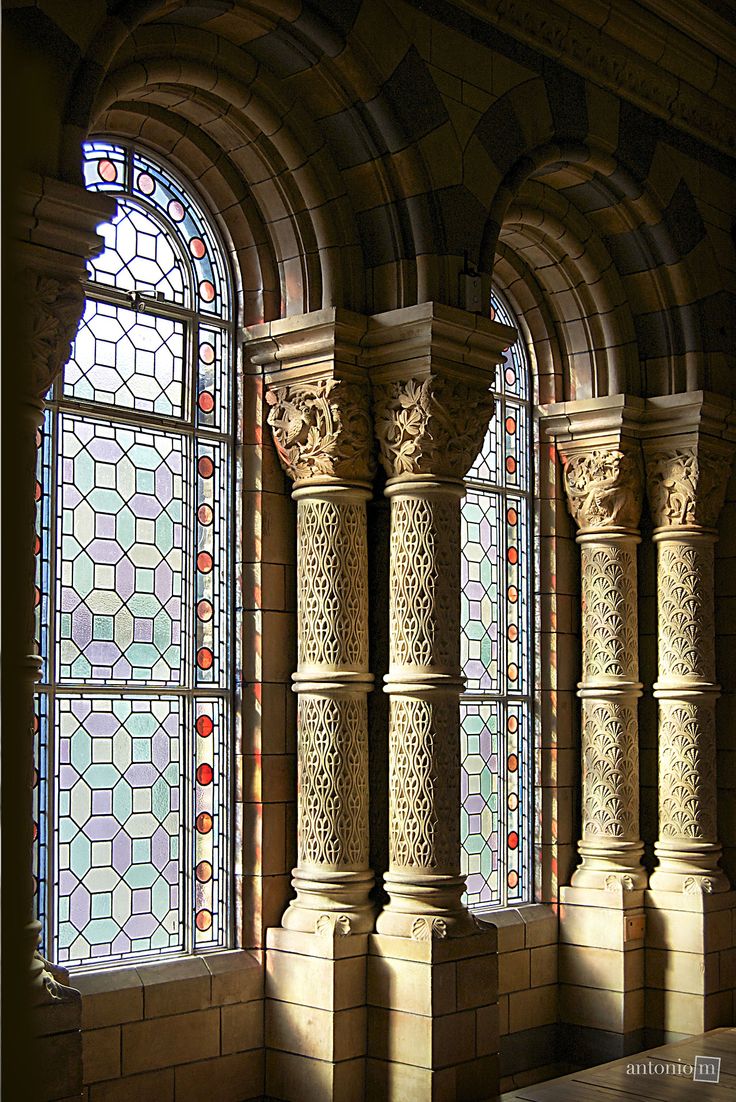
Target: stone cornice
[{"x": 590, "y": 51}]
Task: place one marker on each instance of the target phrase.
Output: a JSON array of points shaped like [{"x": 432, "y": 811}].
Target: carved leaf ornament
[
  {"x": 604, "y": 488},
  {"x": 321, "y": 428}
]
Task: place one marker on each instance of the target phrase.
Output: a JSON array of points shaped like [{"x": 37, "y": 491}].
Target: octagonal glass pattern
[
  {"x": 134, "y": 554},
  {"x": 497, "y": 645}
]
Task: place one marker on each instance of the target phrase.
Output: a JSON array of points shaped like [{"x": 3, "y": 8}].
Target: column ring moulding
[
  {"x": 431, "y": 368},
  {"x": 319, "y": 414}
]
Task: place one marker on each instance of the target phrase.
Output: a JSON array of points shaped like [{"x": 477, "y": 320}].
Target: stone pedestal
[
  {"x": 601, "y": 968},
  {"x": 316, "y": 1017},
  {"x": 432, "y": 1019},
  {"x": 689, "y": 962}
]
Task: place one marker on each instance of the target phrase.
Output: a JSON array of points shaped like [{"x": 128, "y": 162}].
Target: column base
[
  {"x": 433, "y": 1019},
  {"x": 601, "y": 962},
  {"x": 425, "y": 907},
  {"x": 315, "y": 1017},
  {"x": 688, "y": 948},
  {"x": 605, "y": 863},
  {"x": 690, "y": 867},
  {"x": 330, "y": 902}
]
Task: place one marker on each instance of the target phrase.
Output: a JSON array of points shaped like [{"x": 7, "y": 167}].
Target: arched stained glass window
[
  {"x": 134, "y": 574},
  {"x": 497, "y": 646}
]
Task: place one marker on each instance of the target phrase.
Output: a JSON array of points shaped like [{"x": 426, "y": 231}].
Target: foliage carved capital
[
  {"x": 322, "y": 429},
  {"x": 604, "y": 488},
  {"x": 433, "y": 425},
  {"x": 687, "y": 486},
  {"x": 53, "y": 309}
]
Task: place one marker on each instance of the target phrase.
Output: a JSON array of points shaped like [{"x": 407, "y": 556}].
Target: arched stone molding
[
  {"x": 320, "y": 420},
  {"x": 431, "y": 370},
  {"x": 603, "y": 481},
  {"x": 688, "y": 458}
]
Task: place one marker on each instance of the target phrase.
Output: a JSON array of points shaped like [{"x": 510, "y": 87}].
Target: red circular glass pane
[
  {"x": 510, "y": 375},
  {"x": 197, "y": 248},
  {"x": 204, "y": 774},
  {"x": 205, "y": 658},
  {"x": 513, "y": 840},
  {"x": 510, "y": 464},
  {"x": 146, "y": 183},
  {"x": 206, "y": 352},
  {"x": 510, "y": 426},
  {"x": 512, "y": 879},
  {"x": 35, "y": 831},
  {"x": 204, "y": 822},
  {"x": 206, "y": 402},
  {"x": 107, "y": 170},
  {"x": 37, "y": 491},
  {"x": 36, "y": 545},
  {"x": 203, "y": 872},
  {"x": 513, "y": 671},
  {"x": 512, "y": 555},
  {"x": 206, "y": 291},
  {"x": 512, "y": 723},
  {"x": 513, "y": 594},
  {"x": 513, "y": 801},
  {"x": 204, "y": 562},
  {"x": 203, "y": 920},
  {"x": 513, "y": 763},
  {"x": 204, "y": 516},
  {"x": 512, "y": 516},
  {"x": 205, "y": 467},
  {"x": 36, "y": 596},
  {"x": 36, "y": 724},
  {"x": 204, "y": 610},
  {"x": 176, "y": 210},
  {"x": 513, "y": 633},
  {"x": 204, "y": 726}
]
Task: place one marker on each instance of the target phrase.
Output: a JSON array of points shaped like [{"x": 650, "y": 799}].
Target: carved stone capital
[
  {"x": 686, "y": 485},
  {"x": 53, "y": 309},
  {"x": 322, "y": 429},
  {"x": 604, "y": 487},
  {"x": 432, "y": 425}
]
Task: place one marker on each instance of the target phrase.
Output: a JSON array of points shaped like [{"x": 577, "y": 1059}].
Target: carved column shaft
[
  {"x": 604, "y": 489},
  {"x": 430, "y": 424},
  {"x": 323, "y": 435},
  {"x": 686, "y": 488}
]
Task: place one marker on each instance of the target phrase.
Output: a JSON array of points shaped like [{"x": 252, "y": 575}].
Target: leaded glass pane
[
  {"x": 129, "y": 359},
  {"x": 496, "y": 646},
  {"x": 134, "y": 713},
  {"x": 118, "y": 836},
  {"x": 120, "y": 553}
]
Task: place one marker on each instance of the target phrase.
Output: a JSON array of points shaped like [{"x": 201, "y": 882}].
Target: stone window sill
[
  {"x": 114, "y": 996},
  {"x": 524, "y": 927}
]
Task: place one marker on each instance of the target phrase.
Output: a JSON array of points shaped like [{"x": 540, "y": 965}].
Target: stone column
[
  {"x": 322, "y": 430},
  {"x": 319, "y": 415},
  {"x": 431, "y": 372},
  {"x": 601, "y": 912},
  {"x": 604, "y": 493},
  {"x": 688, "y": 452},
  {"x": 55, "y": 234},
  {"x": 686, "y": 485}
]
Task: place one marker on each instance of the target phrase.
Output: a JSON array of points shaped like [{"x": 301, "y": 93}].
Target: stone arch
[{"x": 301, "y": 98}]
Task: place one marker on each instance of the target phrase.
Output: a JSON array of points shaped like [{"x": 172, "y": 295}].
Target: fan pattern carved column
[
  {"x": 686, "y": 486},
  {"x": 604, "y": 490}
]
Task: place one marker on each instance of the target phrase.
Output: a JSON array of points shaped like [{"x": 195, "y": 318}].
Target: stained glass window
[
  {"x": 496, "y": 722},
  {"x": 133, "y": 588}
]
